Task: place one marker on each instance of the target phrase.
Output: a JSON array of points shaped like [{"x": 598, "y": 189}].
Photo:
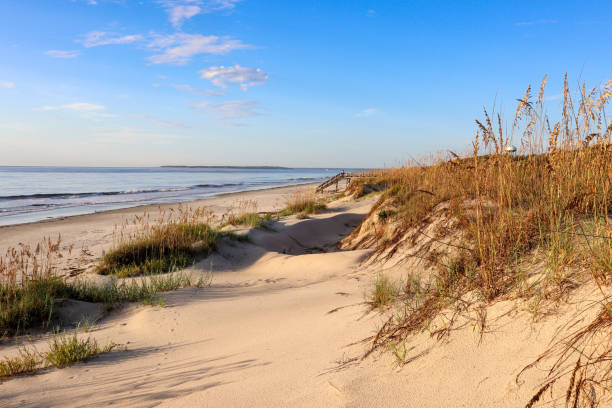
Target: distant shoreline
[{"x": 225, "y": 167}]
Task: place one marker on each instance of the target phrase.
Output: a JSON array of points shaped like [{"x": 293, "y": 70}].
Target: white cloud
[
  {"x": 7, "y": 84},
  {"x": 178, "y": 48},
  {"x": 180, "y": 13},
  {"x": 62, "y": 54},
  {"x": 181, "y": 10},
  {"x": 79, "y": 107},
  {"x": 246, "y": 77},
  {"x": 371, "y": 13},
  {"x": 366, "y": 113},
  {"x": 229, "y": 110},
  {"x": 189, "y": 89},
  {"x": 97, "y": 38}
]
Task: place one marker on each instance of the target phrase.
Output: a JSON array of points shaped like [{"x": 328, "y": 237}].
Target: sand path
[{"x": 262, "y": 335}]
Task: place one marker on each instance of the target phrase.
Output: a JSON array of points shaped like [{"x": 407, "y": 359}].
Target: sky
[{"x": 330, "y": 83}]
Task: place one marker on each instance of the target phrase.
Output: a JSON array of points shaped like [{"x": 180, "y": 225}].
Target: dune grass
[
  {"x": 25, "y": 363},
  {"x": 30, "y": 285},
  {"x": 64, "y": 350},
  {"x": 160, "y": 250},
  {"x": 33, "y": 304},
  {"x": 303, "y": 204},
  {"x": 384, "y": 292},
  {"x": 550, "y": 204},
  {"x": 252, "y": 220}
]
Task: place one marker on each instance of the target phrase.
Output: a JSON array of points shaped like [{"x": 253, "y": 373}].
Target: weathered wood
[{"x": 336, "y": 179}]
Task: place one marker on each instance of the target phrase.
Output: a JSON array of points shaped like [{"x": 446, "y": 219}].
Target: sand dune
[{"x": 263, "y": 335}]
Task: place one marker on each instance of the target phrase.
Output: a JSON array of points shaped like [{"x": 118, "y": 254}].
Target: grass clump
[
  {"x": 252, "y": 220},
  {"x": 28, "y": 305},
  {"x": 64, "y": 350},
  {"x": 26, "y": 362},
  {"x": 33, "y": 305},
  {"x": 303, "y": 204},
  {"x": 384, "y": 292},
  {"x": 159, "y": 250}
]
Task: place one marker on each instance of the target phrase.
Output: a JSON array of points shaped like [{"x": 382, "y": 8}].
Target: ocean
[{"x": 29, "y": 194}]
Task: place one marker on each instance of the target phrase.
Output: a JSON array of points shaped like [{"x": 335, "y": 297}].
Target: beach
[{"x": 284, "y": 323}]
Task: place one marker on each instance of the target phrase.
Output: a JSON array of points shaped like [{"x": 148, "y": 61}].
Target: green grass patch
[
  {"x": 252, "y": 220},
  {"x": 32, "y": 305},
  {"x": 64, "y": 350},
  {"x": 26, "y": 362},
  {"x": 384, "y": 292},
  {"x": 172, "y": 246}
]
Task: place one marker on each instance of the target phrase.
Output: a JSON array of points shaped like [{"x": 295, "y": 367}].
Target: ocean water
[{"x": 29, "y": 194}]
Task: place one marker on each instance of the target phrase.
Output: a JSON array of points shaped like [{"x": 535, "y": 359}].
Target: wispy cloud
[
  {"x": 535, "y": 22},
  {"x": 371, "y": 13},
  {"x": 222, "y": 76},
  {"x": 79, "y": 107},
  {"x": 178, "y": 13},
  {"x": 179, "y": 48},
  {"x": 7, "y": 84},
  {"x": 181, "y": 10},
  {"x": 97, "y": 38},
  {"x": 189, "y": 89},
  {"x": 366, "y": 113},
  {"x": 228, "y": 110},
  {"x": 62, "y": 54}
]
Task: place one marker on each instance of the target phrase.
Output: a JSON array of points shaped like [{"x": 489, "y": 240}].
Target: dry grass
[
  {"x": 550, "y": 204},
  {"x": 303, "y": 204}
]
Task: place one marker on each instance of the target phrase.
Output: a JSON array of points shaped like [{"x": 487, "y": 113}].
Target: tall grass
[
  {"x": 31, "y": 283},
  {"x": 303, "y": 203},
  {"x": 536, "y": 204},
  {"x": 244, "y": 213},
  {"x": 175, "y": 239}
]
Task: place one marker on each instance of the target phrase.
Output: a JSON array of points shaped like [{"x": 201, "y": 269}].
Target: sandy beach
[{"x": 283, "y": 324}]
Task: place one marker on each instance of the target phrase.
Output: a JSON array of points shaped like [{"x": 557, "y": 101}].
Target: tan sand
[{"x": 262, "y": 334}]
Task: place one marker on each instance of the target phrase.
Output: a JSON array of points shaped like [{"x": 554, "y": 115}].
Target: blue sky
[{"x": 350, "y": 83}]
